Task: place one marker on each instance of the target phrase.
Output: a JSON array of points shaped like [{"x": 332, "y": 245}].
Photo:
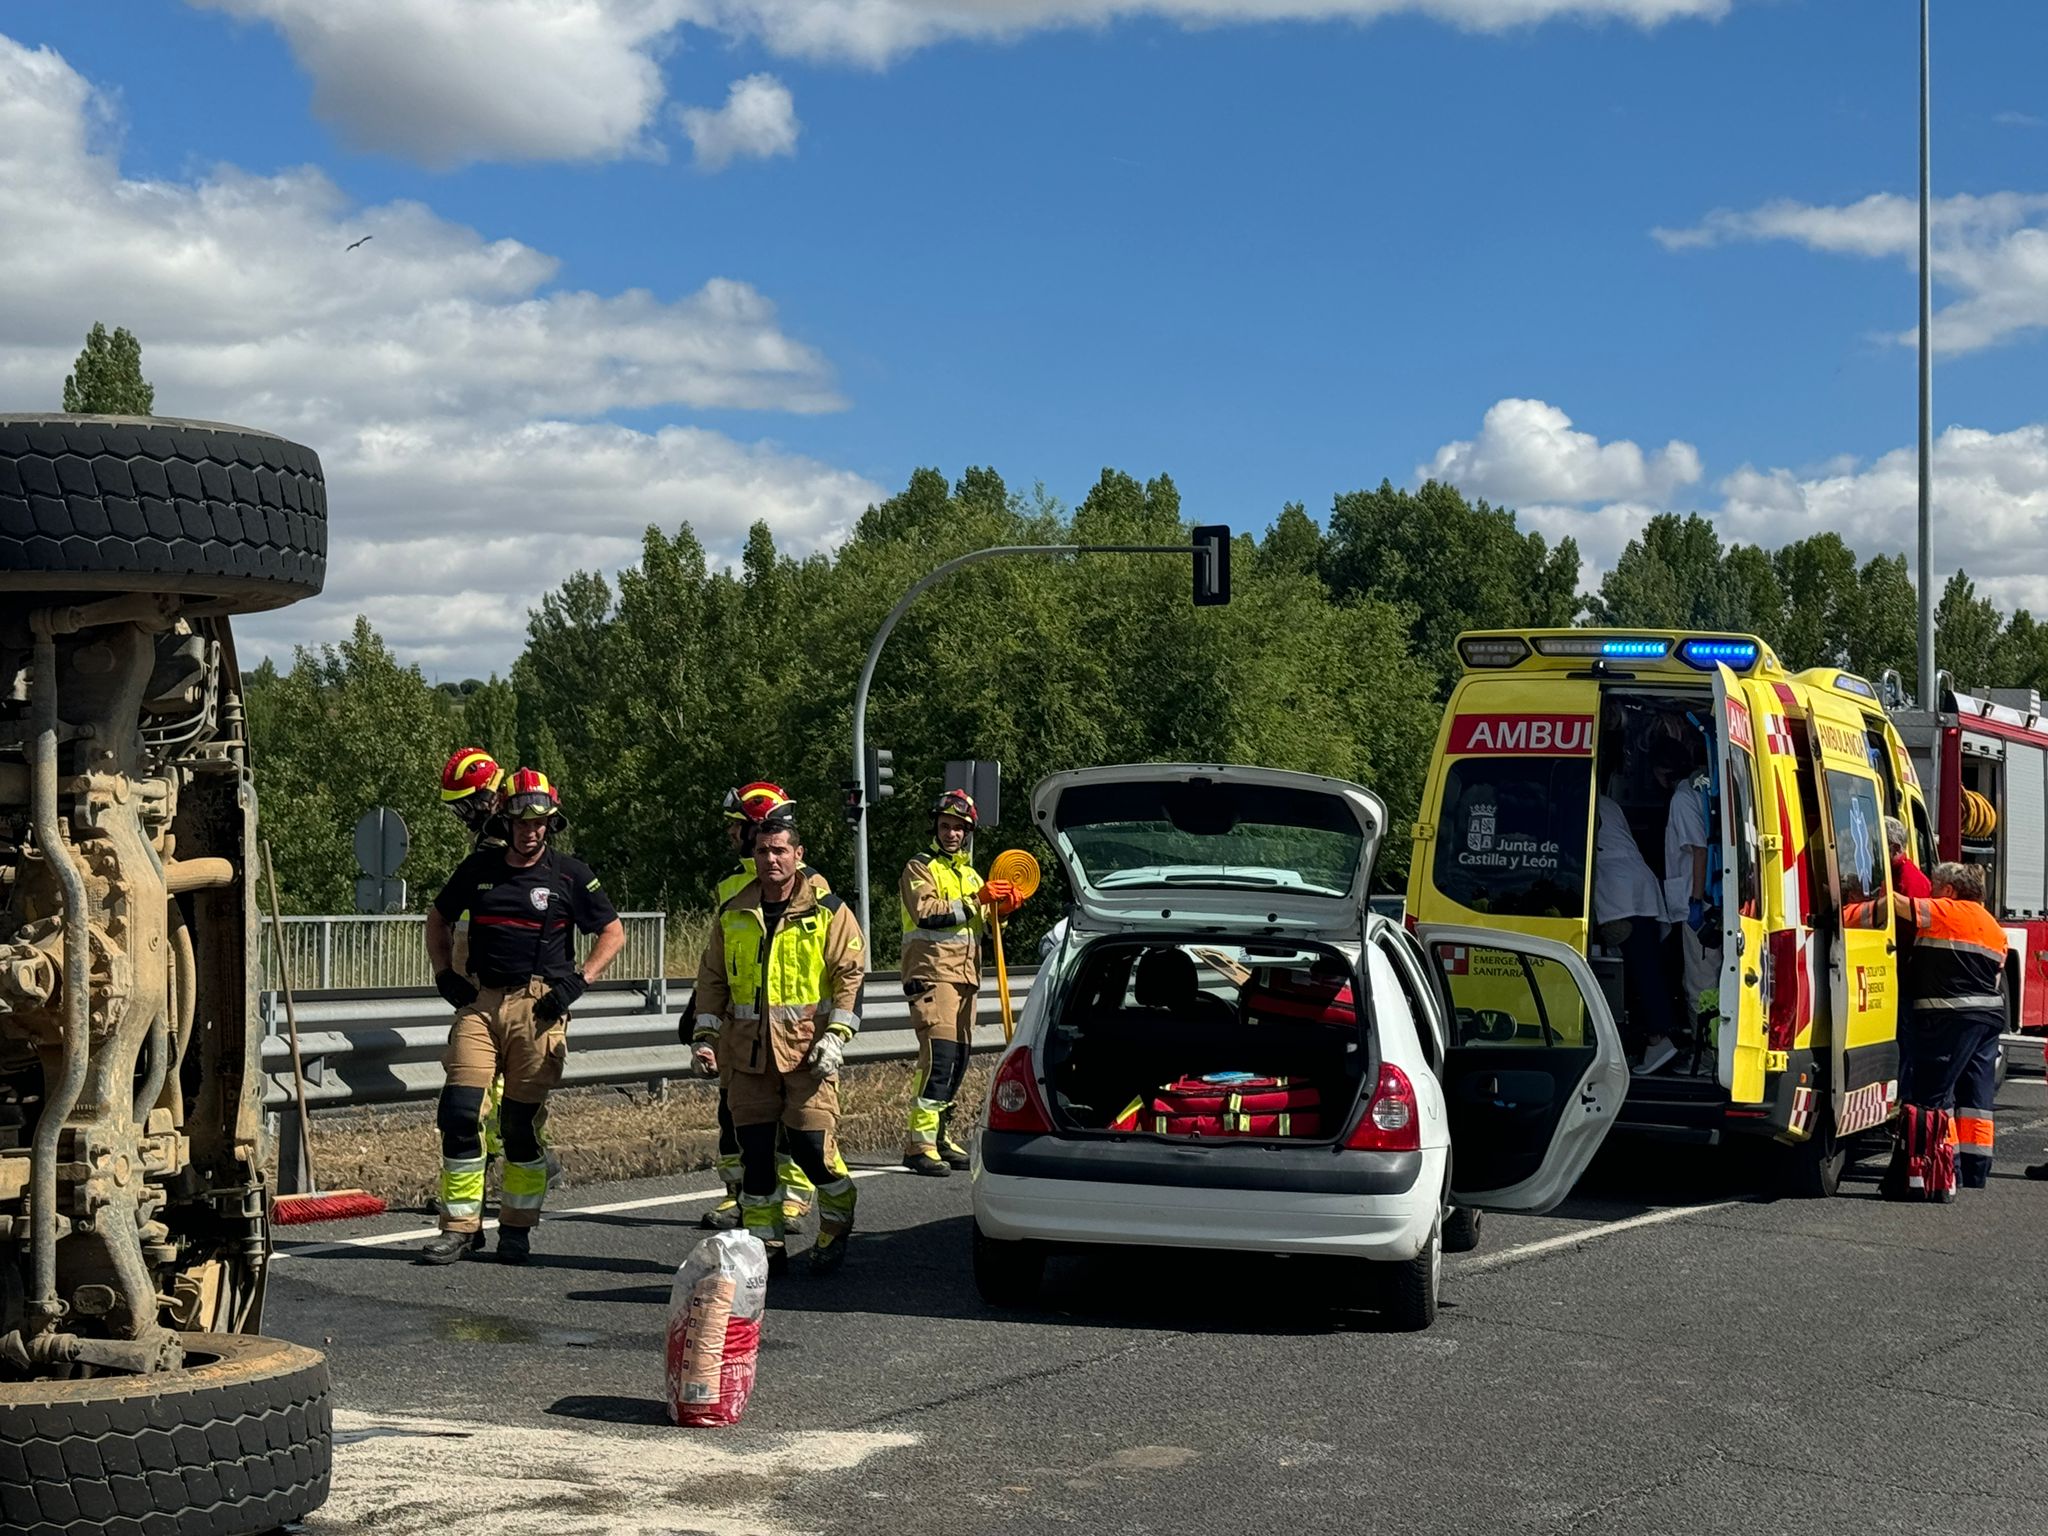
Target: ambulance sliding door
[{"x": 1742, "y": 1048}]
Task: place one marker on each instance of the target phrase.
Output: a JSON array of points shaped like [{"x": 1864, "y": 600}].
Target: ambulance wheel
[
  {"x": 1812, "y": 1169},
  {"x": 237, "y": 1441},
  {"x": 1461, "y": 1230},
  {"x": 1007, "y": 1274},
  {"x": 1413, "y": 1285}
]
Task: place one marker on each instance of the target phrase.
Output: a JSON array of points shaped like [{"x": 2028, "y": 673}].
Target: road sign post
[{"x": 382, "y": 842}]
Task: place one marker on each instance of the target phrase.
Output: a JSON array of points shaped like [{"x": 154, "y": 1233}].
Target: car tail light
[
  {"x": 1392, "y": 1121},
  {"x": 1013, "y": 1103}
]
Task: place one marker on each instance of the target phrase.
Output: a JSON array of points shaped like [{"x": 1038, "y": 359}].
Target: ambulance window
[
  {"x": 1748, "y": 880},
  {"x": 1879, "y": 751},
  {"x": 1511, "y": 835},
  {"x": 1859, "y": 850}
]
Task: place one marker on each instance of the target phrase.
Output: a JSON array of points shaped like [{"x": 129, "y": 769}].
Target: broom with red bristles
[{"x": 317, "y": 1204}]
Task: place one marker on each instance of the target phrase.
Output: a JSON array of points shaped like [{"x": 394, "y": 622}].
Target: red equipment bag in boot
[
  {"x": 1924, "y": 1160},
  {"x": 1234, "y": 1096}
]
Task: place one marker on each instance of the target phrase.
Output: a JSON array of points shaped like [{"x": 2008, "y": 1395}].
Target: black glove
[
  {"x": 455, "y": 988},
  {"x": 561, "y": 997}
]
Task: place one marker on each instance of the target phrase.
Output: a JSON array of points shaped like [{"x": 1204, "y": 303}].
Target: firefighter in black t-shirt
[{"x": 522, "y": 898}]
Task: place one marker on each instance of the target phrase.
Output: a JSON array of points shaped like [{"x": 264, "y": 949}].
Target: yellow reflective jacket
[
  {"x": 769, "y": 992},
  {"x": 942, "y": 920}
]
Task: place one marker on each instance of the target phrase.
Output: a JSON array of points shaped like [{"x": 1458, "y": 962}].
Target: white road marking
[
  {"x": 1588, "y": 1235},
  {"x": 419, "y": 1234},
  {"x": 402, "y": 1475}
]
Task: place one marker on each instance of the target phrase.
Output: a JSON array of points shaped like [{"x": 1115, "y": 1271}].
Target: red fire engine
[{"x": 1982, "y": 761}]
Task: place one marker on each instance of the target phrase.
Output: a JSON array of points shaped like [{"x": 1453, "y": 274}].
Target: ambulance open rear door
[{"x": 1742, "y": 1049}]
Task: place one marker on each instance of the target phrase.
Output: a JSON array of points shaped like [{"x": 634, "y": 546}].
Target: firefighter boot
[
  {"x": 447, "y": 1247},
  {"x": 950, "y": 1151},
  {"x": 835, "y": 1225},
  {"x": 515, "y": 1245},
  {"x": 725, "y": 1216},
  {"x": 921, "y": 1138}
]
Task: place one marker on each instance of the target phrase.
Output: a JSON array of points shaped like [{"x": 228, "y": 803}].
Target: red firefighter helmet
[
  {"x": 753, "y": 802},
  {"x": 959, "y": 804},
  {"x": 468, "y": 771},
  {"x": 530, "y": 797}
]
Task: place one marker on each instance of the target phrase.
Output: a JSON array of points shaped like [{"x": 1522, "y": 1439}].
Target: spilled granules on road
[{"x": 398, "y": 1475}]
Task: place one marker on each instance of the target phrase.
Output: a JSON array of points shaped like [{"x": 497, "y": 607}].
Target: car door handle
[{"x": 1891, "y": 946}]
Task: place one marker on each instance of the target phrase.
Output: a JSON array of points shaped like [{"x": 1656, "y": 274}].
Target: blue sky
[{"x": 1275, "y": 260}]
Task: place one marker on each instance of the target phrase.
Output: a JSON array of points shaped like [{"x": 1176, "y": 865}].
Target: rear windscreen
[
  {"x": 1511, "y": 836},
  {"x": 1212, "y": 834}
]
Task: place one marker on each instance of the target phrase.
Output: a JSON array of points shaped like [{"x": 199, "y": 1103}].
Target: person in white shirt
[
  {"x": 1685, "y": 876},
  {"x": 1628, "y": 911}
]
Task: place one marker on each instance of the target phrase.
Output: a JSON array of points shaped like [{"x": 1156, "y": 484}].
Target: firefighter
[
  {"x": 1907, "y": 878},
  {"x": 779, "y": 991},
  {"x": 1955, "y": 982},
  {"x": 523, "y": 897},
  {"x": 471, "y": 787},
  {"x": 942, "y": 896},
  {"x": 744, "y": 808}
]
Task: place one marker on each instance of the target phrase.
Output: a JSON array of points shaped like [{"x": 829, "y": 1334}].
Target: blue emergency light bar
[
  {"x": 1736, "y": 655},
  {"x": 1632, "y": 648}
]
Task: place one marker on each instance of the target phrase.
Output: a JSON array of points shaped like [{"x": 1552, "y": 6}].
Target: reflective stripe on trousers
[
  {"x": 462, "y": 1193},
  {"x": 526, "y": 1186}
]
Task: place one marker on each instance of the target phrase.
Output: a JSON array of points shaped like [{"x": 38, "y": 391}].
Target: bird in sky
[{"x": 364, "y": 241}]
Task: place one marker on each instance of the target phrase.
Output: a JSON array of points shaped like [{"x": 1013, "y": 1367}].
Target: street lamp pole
[
  {"x": 1928, "y": 700},
  {"x": 1218, "y": 575}
]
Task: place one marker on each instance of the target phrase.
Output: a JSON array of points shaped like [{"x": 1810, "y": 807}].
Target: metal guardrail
[
  {"x": 387, "y": 953},
  {"x": 388, "y": 1050}
]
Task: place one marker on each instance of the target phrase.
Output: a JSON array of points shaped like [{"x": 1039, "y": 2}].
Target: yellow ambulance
[{"x": 1552, "y": 735}]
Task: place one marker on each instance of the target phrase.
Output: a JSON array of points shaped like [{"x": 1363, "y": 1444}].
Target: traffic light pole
[{"x": 1218, "y": 556}]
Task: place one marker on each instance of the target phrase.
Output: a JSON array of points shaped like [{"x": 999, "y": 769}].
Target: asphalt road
[{"x": 1666, "y": 1353}]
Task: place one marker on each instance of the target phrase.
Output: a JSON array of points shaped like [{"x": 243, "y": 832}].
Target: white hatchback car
[{"x": 1229, "y": 1050}]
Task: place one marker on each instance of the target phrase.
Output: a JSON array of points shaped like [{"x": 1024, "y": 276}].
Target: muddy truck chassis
[{"x": 136, "y": 1393}]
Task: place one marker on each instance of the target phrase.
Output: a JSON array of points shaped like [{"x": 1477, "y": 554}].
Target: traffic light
[
  {"x": 849, "y": 801},
  {"x": 881, "y": 773},
  {"x": 1212, "y": 565}
]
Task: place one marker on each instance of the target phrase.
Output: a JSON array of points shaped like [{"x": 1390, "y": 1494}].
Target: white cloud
[
  {"x": 1990, "y": 508},
  {"x": 1528, "y": 452},
  {"x": 451, "y": 393},
  {"x": 877, "y": 31},
  {"x": 1990, "y": 499},
  {"x": 445, "y": 82},
  {"x": 758, "y": 120},
  {"x": 1992, "y": 251},
  {"x": 2019, "y": 120}
]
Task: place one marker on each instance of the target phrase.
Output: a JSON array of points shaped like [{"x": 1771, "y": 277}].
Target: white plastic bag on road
[{"x": 714, "y": 1328}]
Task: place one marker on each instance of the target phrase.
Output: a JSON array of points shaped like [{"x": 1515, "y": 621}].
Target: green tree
[
  {"x": 1452, "y": 565},
  {"x": 1817, "y": 577},
  {"x": 1676, "y": 574},
  {"x": 1294, "y": 542},
  {"x": 107, "y": 378},
  {"x": 1966, "y": 632},
  {"x": 1885, "y": 628},
  {"x": 348, "y": 728}
]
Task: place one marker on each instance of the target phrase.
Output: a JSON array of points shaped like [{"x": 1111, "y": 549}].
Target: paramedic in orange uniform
[{"x": 1955, "y": 980}]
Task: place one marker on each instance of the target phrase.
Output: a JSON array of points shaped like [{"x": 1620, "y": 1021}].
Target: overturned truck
[{"x": 135, "y": 1390}]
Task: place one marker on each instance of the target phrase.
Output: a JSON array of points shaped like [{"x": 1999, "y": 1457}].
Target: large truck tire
[
  {"x": 237, "y": 1442},
  {"x": 97, "y": 504}
]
